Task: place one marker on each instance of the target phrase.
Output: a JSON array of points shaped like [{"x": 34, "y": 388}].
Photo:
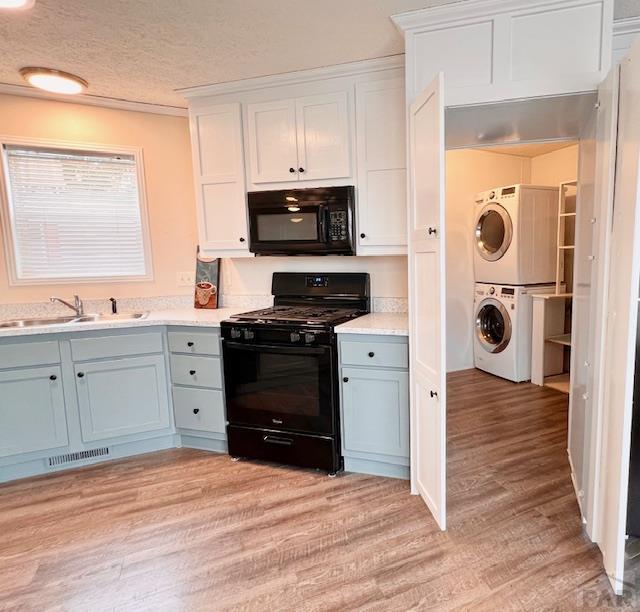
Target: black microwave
[{"x": 316, "y": 221}]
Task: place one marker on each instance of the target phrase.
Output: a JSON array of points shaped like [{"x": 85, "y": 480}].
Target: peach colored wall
[
  {"x": 168, "y": 178},
  {"x": 555, "y": 167},
  {"x": 468, "y": 172}
]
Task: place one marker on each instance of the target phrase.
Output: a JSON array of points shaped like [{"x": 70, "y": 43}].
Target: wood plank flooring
[{"x": 189, "y": 530}]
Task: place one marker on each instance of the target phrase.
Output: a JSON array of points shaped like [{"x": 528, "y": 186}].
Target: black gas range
[{"x": 281, "y": 370}]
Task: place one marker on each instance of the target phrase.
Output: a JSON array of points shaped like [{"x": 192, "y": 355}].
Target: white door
[
  {"x": 381, "y": 110},
  {"x": 323, "y": 137},
  {"x": 427, "y": 299},
  {"x": 216, "y": 143},
  {"x": 271, "y": 132},
  {"x": 621, "y": 324}
]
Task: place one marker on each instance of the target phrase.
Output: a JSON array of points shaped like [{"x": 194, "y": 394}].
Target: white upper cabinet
[
  {"x": 302, "y": 139},
  {"x": 492, "y": 50},
  {"x": 382, "y": 176},
  {"x": 273, "y": 152},
  {"x": 216, "y": 142},
  {"x": 323, "y": 137}
]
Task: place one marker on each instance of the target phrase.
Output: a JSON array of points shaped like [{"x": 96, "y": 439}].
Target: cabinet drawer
[
  {"x": 29, "y": 354},
  {"x": 381, "y": 354},
  {"x": 201, "y": 409},
  {"x": 196, "y": 371},
  {"x": 116, "y": 346},
  {"x": 203, "y": 343}
]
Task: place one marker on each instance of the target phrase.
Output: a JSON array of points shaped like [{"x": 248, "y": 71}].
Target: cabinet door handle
[
  {"x": 189, "y": 344},
  {"x": 292, "y": 170},
  {"x": 371, "y": 354},
  {"x": 192, "y": 372},
  {"x": 433, "y": 393},
  {"x": 241, "y": 239},
  {"x": 196, "y": 410},
  {"x": 345, "y": 379},
  {"x": 363, "y": 235},
  {"x": 432, "y": 230},
  {"x": 80, "y": 374},
  {"x": 53, "y": 377},
  {"x": 301, "y": 169}
]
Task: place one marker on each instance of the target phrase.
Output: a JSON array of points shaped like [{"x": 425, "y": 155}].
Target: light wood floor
[{"x": 188, "y": 530}]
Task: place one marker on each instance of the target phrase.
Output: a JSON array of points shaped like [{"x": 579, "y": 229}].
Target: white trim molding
[
  {"x": 295, "y": 78},
  {"x": 89, "y": 100},
  {"x": 624, "y": 33}
]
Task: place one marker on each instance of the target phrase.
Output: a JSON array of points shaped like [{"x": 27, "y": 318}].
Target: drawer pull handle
[
  {"x": 53, "y": 377},
  {"x": 80, "y": 374},
  {"x": 189, "y": 344},
  {"x": 371, "y": 354},
  {"x": 277, "y": 440},
  {"x": 196, "y": 410},
  {"x": 192, "y": 372},
  {"x": 345, "y": 379}
]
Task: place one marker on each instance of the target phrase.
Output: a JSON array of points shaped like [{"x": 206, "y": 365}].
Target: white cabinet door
[
  {"x": 622, "y": 320},
  {"x": 32, "y": 414},
  {"x": 323, "y": 137},
  {"x": 427, "y": 295},
  {"x": 382, "y": 174},
  {"x": 122, "y": 397},
  {"x": 273, "y": 156},
  {"x": 218, "y": 163}
]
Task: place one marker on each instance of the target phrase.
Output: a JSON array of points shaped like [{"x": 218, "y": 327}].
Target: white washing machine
[
  {"x": 502, "y": 335},
  {"x": 515, "y": 235}
]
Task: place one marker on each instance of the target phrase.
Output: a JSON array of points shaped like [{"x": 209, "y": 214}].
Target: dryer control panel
[{"x": 497, "y": 194}]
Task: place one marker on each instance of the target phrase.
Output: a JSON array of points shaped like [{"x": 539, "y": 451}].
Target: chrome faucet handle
[{"x": 78, "y": 304}]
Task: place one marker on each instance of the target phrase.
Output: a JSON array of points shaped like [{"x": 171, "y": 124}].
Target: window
[{"x": 73, "y": 215}]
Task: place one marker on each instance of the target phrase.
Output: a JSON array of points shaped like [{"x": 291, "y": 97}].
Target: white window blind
[{"x": 74, "y": 214}]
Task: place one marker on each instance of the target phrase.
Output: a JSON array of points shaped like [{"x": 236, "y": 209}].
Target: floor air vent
[{"x": 79, "y": 456}]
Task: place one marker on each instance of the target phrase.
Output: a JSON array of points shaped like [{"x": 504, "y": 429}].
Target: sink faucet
[{"x": 77, "y": 305}]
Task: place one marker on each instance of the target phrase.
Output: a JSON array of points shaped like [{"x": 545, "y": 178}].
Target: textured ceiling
[{"x": 141, "y": 50}]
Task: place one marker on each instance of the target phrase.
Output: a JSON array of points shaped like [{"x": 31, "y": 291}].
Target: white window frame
[{"x": 7, "y": 226}]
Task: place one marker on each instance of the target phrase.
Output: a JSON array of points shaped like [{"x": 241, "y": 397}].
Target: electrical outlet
[{"x": 186, "y": 279}]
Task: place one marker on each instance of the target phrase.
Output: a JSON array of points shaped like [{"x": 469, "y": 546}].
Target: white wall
[{"x": 252, "y": 276}]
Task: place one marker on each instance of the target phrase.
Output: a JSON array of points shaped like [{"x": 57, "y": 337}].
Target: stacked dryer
[{"x": 515, "y": 250}]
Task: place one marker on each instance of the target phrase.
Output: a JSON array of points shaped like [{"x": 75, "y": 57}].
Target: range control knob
[
  {"x": 295, "y": 337},
  {"x": 309, "y": 338},
  {"x": 248, "y": 334},
  {"x": 235, "y": 332}
]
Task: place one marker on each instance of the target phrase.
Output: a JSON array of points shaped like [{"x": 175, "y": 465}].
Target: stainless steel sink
[
  {"x": 36, "y": 322},
  {"x": 121, "y": 316},
  {"x": 88, "y": 318}
]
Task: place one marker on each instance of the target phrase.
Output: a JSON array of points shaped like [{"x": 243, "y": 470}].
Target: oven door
[
  {"x": 280, "y": 387},
  {"x": 284, "y": 230}
]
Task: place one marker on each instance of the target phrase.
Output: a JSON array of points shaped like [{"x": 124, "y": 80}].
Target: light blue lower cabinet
[
  {"x": 122, "y": 396},
  {"x": 375, "y": 406},
  {"x": 32, "y": 411}
]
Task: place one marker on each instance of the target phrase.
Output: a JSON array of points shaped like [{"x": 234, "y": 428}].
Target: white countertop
[
  {"x": 186, "y": 316},
  {"x": 377, "y": 323},
  {"x": 384, "y": 323}
]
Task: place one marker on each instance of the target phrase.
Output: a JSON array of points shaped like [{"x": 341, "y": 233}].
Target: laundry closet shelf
[
  {"x": 559, "y": 383},
  {"x": 564, "y": 339}
]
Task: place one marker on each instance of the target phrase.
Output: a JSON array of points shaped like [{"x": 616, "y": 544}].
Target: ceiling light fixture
[
  {"x": 293, "y": 208},
  {"x": 55, "y": 81},
  {"x": 16, "y": 4}
]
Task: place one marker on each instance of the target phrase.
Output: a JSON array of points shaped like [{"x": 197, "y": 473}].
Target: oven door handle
[
  {"x": 280, "y": 441},
  {"x": 274, "y": 348}
]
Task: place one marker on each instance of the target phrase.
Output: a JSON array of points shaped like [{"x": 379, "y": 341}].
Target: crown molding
[
  {"x": 630, "y": 25},
  {"x": 89, "y": 100},
  {"x": 472, "y": 9},
  {"x": 349, "y": 69}
]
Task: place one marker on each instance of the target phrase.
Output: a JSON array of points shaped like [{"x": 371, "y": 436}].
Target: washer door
[
  {"x": 493, "y": 326},
  {"x": 494, "y": 231}
]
